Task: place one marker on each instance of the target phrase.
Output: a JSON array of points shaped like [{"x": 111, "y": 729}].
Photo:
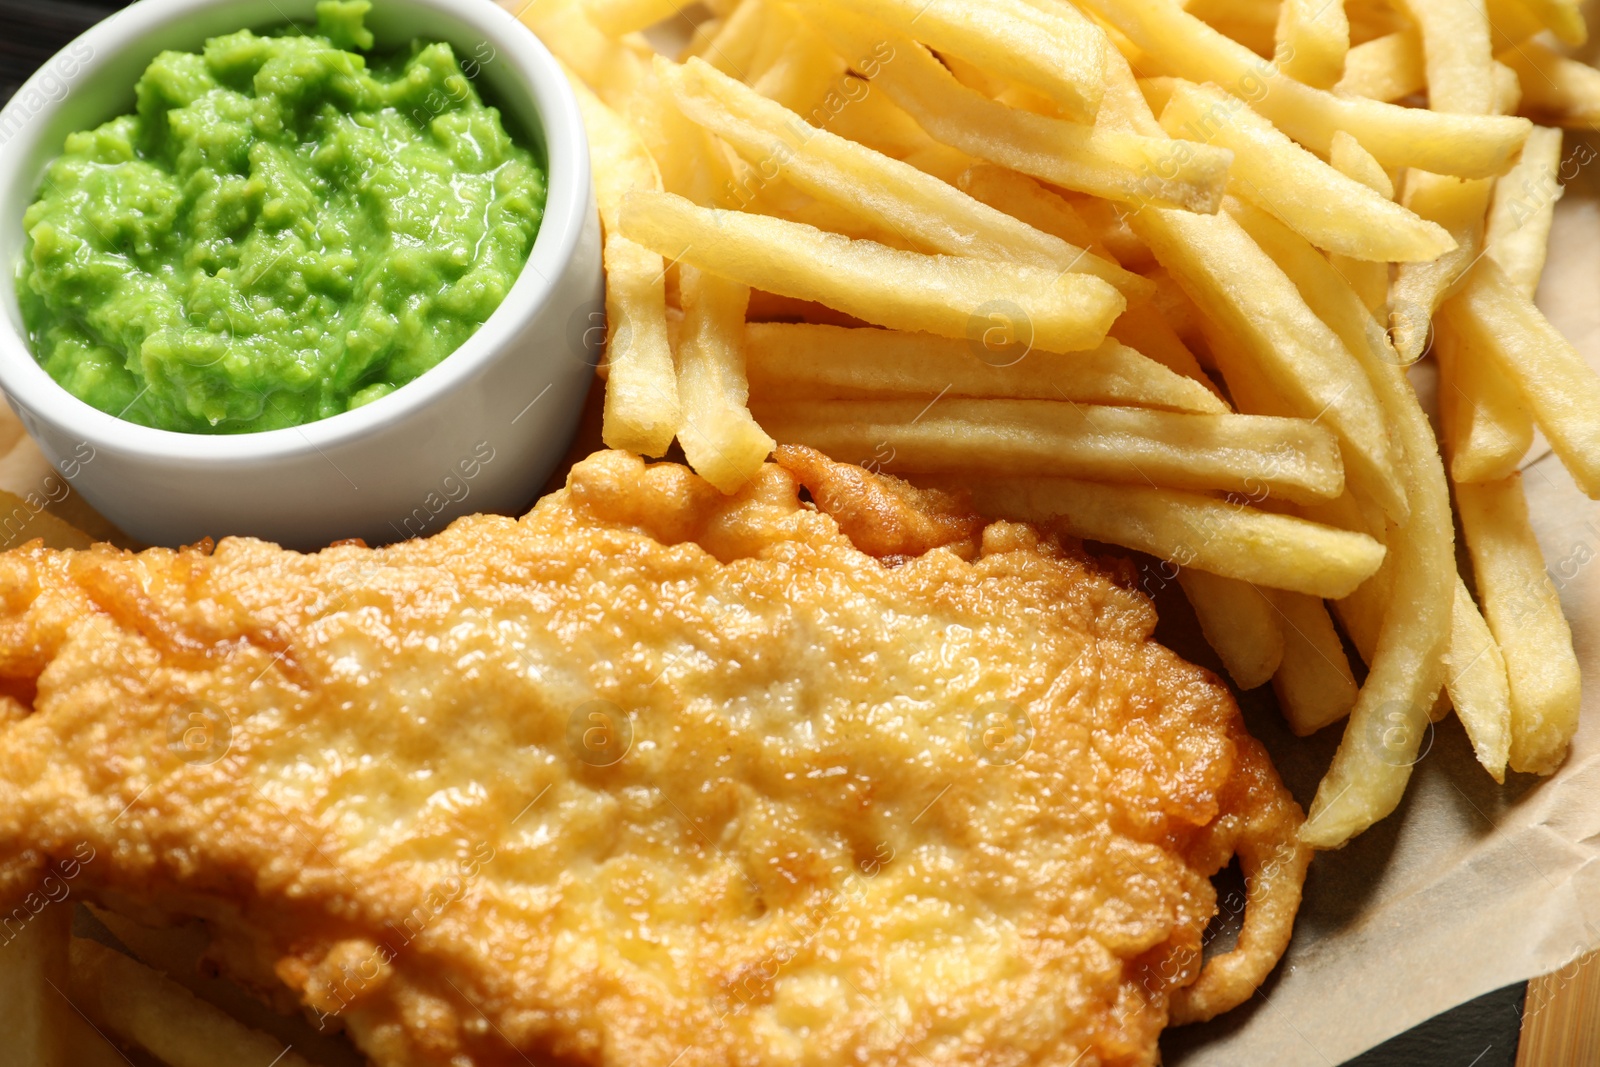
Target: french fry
[
  {"x": 975, "y": 77},
  {"x": 620, "y": 160},
  {"x": 1093, "y": 159},
  {"x": 1419, "y": 288},
  {"x": 564, "y": 27},
  {"x": 1313, "y": 682},
  {"x": 21, "y": 523},
  {"x": 941, "y": 161},
  {"x": 891, "y": 194},
  {"x": 1385, "y": 68},
  {"x": 619, "y": 17},
  {"x": 1125, "y": 106},
  {"x": 1370, "y": 280},
  {"x": 1558, "y": 90},
  {"x": 33, "y": 985},
  {"x": 1348, "y": 157},
  {"x": 1177, "y": 310},
  {"x": 641, "y": 402},
  {"x": 1467, "y": 146},
  {"x": 1108, "y": 223},
  {"x": 1460, "y": 70},
  {"x": 178, "y": 952},
  {"x": 804, "y": 73},
  {"x": 927, "y": 155},
  {"x": 1150, "y": 334},
  {"x": 1262, "y": 14},
  {"x": 1057, "y": 53},
  {"x": 1239, "y": 623},
  {"x": 946, "y": 295},
  {"x": 1475, "y": 679},
  {"x": 781, "y": 200},
  {"x": 734, "y": 46},
  {"x": 1331, "y": 211},
  {"x": 1025, "y": 99},
  {"x": 642, "y": 410},
  {"x": 1023, "y": 198},
  {"x": 1456, "y": 54},
  {"x": 84, "y": 1043},
  {"x": 1299, "y": 360},
  {"x": 1518, "y": 232},
  {"x": 43, "y": 1027},
  {"x": 701, "y": 40},
  {"x": 870, "y": 118},
  {"x": 1561, "y": 17},
  {"x": 720, "y": 440},
  {"x": 148, "y": 1009},
  {"x": 1127, "y": 109},
  {"x": 1361, "y": 613},
  {"x": 1370, "y": 19},
  {"x": 1493, "y": 316},
  {"x": 1292, "y": 458},
  {"x": 831, "y": 363},
  {"x": 1313, "y": 36},
  {"x": 1510, "y": 24},
  {"x": 1347, "y": 511},
  {"x": 1523, "y": 610},
  {"x": 1486, "y": 425},
  {"x": 1253, "y": 23},
  {"x": 1406, "y": 672},
  {"x": 1201, "y": 533},
  {"x": 1507, "y": 90},
  {"x": 777, "y": 25},
  {"x": 690, "y": 163}
]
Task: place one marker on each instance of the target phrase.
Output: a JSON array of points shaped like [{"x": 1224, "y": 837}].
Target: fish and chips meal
[{"x": 816, "y": 718}]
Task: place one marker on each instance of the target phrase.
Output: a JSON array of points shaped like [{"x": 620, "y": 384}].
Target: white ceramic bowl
[{"x": 479, "y": 432}]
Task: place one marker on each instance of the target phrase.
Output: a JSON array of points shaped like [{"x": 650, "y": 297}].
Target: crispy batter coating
[{"x": 654, "y": 777}]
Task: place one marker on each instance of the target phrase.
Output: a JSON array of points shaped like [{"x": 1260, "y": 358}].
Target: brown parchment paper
[{"x": 1469, "y": 886}]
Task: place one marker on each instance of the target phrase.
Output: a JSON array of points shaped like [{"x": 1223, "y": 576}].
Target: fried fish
[{"x": 825, "y": 772}]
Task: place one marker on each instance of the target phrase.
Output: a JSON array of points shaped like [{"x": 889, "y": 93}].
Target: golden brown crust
[
  {"x": 651, "y": 776},
  {"x": 881, "y": 515}
]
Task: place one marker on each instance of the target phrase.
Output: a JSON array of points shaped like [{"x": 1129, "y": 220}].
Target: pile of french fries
[{"x": 1152, "y": 274}]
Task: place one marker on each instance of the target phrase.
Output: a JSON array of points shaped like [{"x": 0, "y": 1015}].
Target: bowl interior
[{"x": 92, "y": 82}]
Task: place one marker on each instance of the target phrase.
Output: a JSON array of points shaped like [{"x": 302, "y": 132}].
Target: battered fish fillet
[{"x": 654, "y": 777}]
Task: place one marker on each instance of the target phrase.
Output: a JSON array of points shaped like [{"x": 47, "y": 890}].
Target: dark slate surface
[
  {"x": 1481, "y": 1033},
  {"x": 31, "y": 31}
]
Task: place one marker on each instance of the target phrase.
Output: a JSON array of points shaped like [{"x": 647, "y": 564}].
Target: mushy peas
[{"x": 284, "y": 229}]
